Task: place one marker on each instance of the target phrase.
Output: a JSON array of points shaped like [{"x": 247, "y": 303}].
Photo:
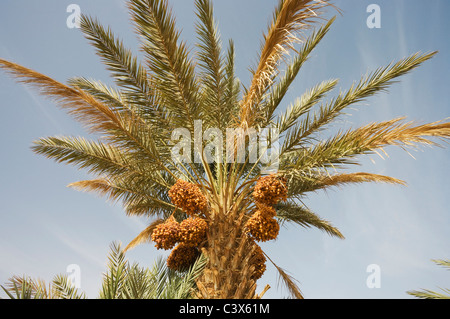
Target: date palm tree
[{"x": 222, "y": 208}]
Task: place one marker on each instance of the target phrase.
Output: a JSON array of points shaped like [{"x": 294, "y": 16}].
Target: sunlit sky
[{"x": 45, "y": 226}]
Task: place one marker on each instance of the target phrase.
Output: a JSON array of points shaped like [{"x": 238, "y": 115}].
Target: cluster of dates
[
  {"x": 262, "y": 225},
  {"x": 186, "y": 236},
  {"x": 269, "y": 190}
]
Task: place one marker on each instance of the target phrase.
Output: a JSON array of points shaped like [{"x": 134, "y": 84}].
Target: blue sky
[{"x": 45, "y": 226}]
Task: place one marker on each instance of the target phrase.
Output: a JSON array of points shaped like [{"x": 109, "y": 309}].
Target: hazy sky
[{"x": 45, "y": 226}]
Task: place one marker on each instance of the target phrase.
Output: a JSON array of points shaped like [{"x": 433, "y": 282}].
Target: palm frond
[
  {"x": 430, "y": 294},
  {"x": 168, "y": 59},
  {"x": 104, "y": 93},
  {"x": 19, "y": 288},
  {"x": 340, "y": 179},
  {"x": 278, "y": 91},
  {"x": 442, "y": 262},
  {"x": 301, "y": 183},
  {"x": 232, "y": 88},
  {"x": 97, "y": 157},
  {"x": 211, "y": 64},
  {"x": 186, "y": 285},
  {"x": 120, "y": 281},
  {"x": 25, "y": 287},
  {"x": 93, "y": 114},
  {"x": 120, "y": 128},
  {"x": 127, "y": 71},
  {"x": 115, "y": 276},
  {"x": 374, "y": 82},
  {"x": 144, "y": 236},
  {"x": 300, "y": 215},
  {"x": 433, "y": 294},
  {"x": 343, "y": 147},
  {"x": 136, "y": 199},
  {"x": 290, "y": 18},
  {"x": 64, "y": 289},
  {"x": 138, "y": 283},
  {"x": 166, "y": 283},
  {"x": 288, "y": 281},
  {"x": 303, "y": 105}
]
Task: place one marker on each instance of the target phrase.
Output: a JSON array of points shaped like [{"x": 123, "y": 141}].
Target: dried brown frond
[
  {"x": 83, "y": 106},
  {"x": 339, "y": 179},
  {"x": 136, "y": 200},
  {"x": 394, "y": 132},
  {"x": 290, "y": 284},
  {"x": 100, "y": 186},
  {"x": 288, "y": 280},
  {"x": 144, "y": 236},
  {"x": 292, "y": 17}
]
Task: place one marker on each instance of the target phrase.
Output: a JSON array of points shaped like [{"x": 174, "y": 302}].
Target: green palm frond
[
  {"x": 301, "y": 183},
  {"x": 168, "y": 59},
  {"x": 444, "y": 293},
  {"x": 125, "y": 68},
  {"x": 137, "y": 284},
  {"x": 174, "y": 285},
  {"x": 115, "y": 276},
  {"x": 232, "y": 87},
  {"x": 430, "y": 294},
  {"x": 375, "y": 82},
  {"x": 25, "y": 287},
  {"x": 125, "y": 281},
  {"x": 126, "y": 180},
  {"x": 64, "y": 289},
  {"x": 211, "y": 65},
  {"x": 341, "y": 149},
  {"x": 97, "y": 157},
  {"x": 442, "y": 262},
  {"x": 123, "y": 128},
  {"x": 138, "y": 196},
  {"x": 121, "y": 280},
  {"x": 104, "y": 93},
  {"x": 300, "y": 215},
  {"x": 302, "y": 106},
  {"x": 186, "y": 284}
]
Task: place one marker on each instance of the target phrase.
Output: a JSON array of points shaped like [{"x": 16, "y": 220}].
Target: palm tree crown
[{"x": 209, "y": 195}]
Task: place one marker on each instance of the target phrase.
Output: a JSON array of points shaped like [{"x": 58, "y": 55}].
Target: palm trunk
[{"x": 228, "y": 273}]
